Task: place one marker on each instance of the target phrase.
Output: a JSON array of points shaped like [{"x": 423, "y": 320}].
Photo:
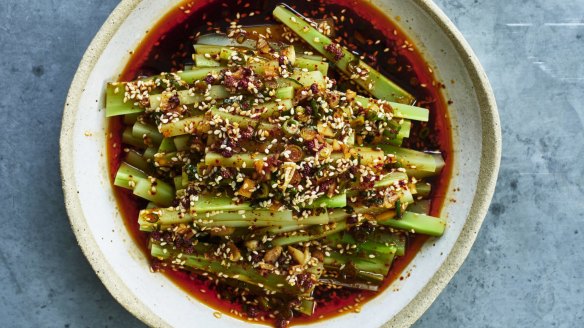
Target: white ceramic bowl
[{"x": 158, "y": 302}]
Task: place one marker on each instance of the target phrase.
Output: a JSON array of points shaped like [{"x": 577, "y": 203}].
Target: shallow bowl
[{"x": 153, "y": 298}]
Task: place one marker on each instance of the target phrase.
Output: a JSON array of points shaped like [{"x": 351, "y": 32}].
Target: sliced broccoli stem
[
  {"x": 376, "y": 267},
  {"x": 399, "y": 110},
  {"x": 128, "y": 176},
  {"x": 347, "y": 62},
  {"x": 244, "y": 160},
  {"x": 154, "y": 190},
  {"x": 312, "y": 65},
  {"x": 417, "y": 223},
  {"x": 115, "y": 102},
  {"x": 367, "y": 156},
  {"x": 423, "y": 189},
  {"x": 235, "y": 270},
  {"x": 238, "y": 216},
  {"x": 352, "y": 284},
  {"x": 147, "y": 132},
  {"x": 242, "y": 120},
  {"x": 136, "y": 160},
  {"x": 339, "y": 200},
  {"x": 181, "y": 143},
  {"x": 412, "y": 159},
  {"x": 319, "y": 233},
  {"x": 129, "y": 139},
  {"x": 185, "y": 126},
  {"x": 202, "y": 61},
  {"x": 391, "y": 179}
]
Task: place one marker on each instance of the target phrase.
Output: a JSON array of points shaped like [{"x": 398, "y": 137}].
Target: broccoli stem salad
[{"x": 263, "y": 176}]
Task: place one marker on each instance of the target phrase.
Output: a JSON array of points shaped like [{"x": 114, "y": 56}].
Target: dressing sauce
[{"x": 168, "y": 46}]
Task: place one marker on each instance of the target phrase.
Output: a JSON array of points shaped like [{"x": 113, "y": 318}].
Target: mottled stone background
[{"x": 527, "y": 266}]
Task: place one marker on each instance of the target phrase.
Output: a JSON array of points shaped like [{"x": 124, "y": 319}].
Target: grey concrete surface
[{"x": 527, "y": 266}]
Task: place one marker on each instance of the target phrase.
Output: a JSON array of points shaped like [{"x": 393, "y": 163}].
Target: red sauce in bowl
[{"x": 363, "y": 28}]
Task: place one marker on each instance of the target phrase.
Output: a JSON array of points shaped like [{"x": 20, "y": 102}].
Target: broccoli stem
[
  {"x": 149, "y": 188},
  {"x": 154, "y": 218},
  {"x": 202, "y": 61},
  {"x": 238, "y": 160},
  {"x": 423, "y": 189},
  {"x": 352, "y": 284},
  {"x": 329, "y": 202},
  {"x": 312, "y": 65},
  {"x": 399, "y": 110},
  {"x": 188, "y": 97},
  {"x": 181, "y": 143},
  {"x": 378, "y": 268},
  {"x": 321, "y": 232},
  {"x": 185, "y": 126},
  {"x": 380, "y": 243},
  {"x": 347, "y": 62},
  {"x": 147, "y": 132},
  {"x": 115, "y": 104},
  {"x": 242, "y": 120},
  {"x": 155, "y": 190},
  {"x": 367, "y": 156},
  {"x": 167, "y": 145},
  {"x": 128, "y": 176},
  {"x": 235, "y": 270},
  {"x": 130, "y": 119},
  {"x": 129, "y": 139},
  {"x": 391, "y": 179},
  {"x": 136, "y": 160},
  {"x": 417, "y": 223},
  {"x": 412, "y": 159}
]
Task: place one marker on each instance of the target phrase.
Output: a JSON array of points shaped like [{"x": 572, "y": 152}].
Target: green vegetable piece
[{"x": 373, "y": 81}]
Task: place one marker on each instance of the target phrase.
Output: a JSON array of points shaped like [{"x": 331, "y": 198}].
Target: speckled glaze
[{"x": 154, "y": 299}]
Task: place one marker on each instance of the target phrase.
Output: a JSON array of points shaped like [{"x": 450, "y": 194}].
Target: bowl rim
[{"x": 489, "y": 168}]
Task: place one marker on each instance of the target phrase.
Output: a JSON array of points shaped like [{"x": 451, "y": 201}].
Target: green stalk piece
[
  {"x": 182, "y": 143},
  {"x": 417, "y": 223},
  {"x": 242, "y": 120},
  {"x": 420, "y": 206},
  {"x": 319, "y": 233},
  {"x": 210, "y": 203},
  {"x": 366, "y": 156},
  {"x": 167, "y": 146},
  {"x": 129, "y": 139},
  {"x": 149, "y": 154},
  {"x": 136, "y": 160},
  {"x": 399, "y": 110},
  {"x": 417, "y": 164},
  {"x": 376, "y": 267},
  {"x": 300, "y": 79},
  {"x": 423, "y": 189},
  {"x": 347, "y": 62},
  {"x": 380, "y": 243},
  {"x": 202, "y": 61},
  {"x": 221, "y": 211},
  {"x": 150, "y": 132},
  {"x": 128, "y": 176},
  {"x": 237, "y": 160},
  {"x": 182, "y": 127},
  {"x": 312, "y": 65},
  {"x": 391, "y": 179},
  {"x": 155, "y": 190},
  {"x": 412, "y": 159},
  {"x": 339, "y": 200},
  {"x": 114, "y": 101},
  {"x": 188, "y": 97},
  {"x": 235, "y": 270},
  {"x": 130, "y": 119}
]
